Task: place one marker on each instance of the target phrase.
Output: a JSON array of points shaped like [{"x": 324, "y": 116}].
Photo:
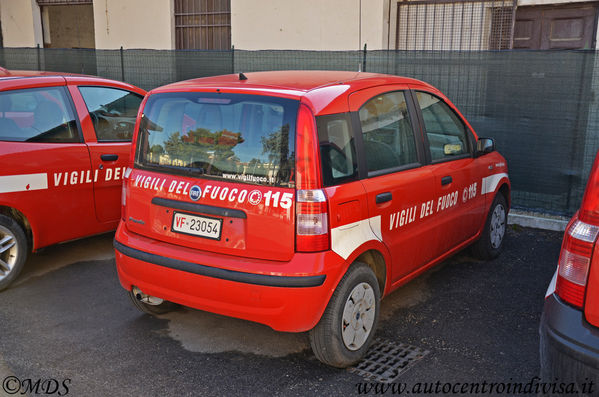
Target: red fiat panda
[
  {"x": 298, "y": 199},
  {"x": 569, "y": 330},
  {"x": 64, "y": 145}
]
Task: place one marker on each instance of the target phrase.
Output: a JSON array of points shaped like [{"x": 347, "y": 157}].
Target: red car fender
[{"x": 378, "y": 247}]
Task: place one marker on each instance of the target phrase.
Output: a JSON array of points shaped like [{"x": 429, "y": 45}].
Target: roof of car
[
  {"x": 12, "y": 79},
  {"x": 5, "y": 73},
  {"x": 292, "y": 80}
]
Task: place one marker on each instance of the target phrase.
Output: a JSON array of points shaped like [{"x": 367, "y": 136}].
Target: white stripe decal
[
  {"x": 23, "y": 183},
  {"x": 345, "y": 239},
  {"x": 490, "y": 183}
]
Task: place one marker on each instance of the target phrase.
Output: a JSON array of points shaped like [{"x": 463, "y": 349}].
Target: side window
[
  {"x": 447, "y": 135},
  {"x": 41, "y": 115},
  {"x": 112, "y": 111},
  {"x": 387, "y": 132},
  {"x": 337, "y": 150}
]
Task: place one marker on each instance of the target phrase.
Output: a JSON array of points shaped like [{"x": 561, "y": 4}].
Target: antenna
[{"x": 242, "y": 76}]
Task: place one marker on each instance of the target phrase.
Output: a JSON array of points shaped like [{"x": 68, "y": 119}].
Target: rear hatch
[{"x": 215, "y": 172}]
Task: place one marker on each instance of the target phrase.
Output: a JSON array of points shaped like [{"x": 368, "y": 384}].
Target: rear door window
[
  {"x": 112, "y": 111},
  {"x": 41, "y": 115},
  {"x": 238, "y": 137},
  {"x": 387, "y": 133}
]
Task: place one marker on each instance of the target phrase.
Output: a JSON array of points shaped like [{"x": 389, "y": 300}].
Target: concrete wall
[
  {"x": 21, "y": 23},
  {"x": 134, "y": 24},
  {"x": 309, "y": 24},
  {"x": 548, "y": 2}
]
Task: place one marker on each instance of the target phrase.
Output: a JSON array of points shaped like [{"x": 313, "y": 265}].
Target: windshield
[{"x": 245, "y": 138}]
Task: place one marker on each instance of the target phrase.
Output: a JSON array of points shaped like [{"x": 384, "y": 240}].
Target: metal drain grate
[{"x": 386, "y": 360}]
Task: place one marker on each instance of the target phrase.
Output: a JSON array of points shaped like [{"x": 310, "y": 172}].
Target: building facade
[{"x": 300, "y": 25}]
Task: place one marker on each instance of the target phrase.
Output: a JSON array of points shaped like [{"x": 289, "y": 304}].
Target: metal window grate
[
  {"x": 454, "y": 25},
  {"x": 203, "y": 24},
  {"x": 386, "y": 361}
]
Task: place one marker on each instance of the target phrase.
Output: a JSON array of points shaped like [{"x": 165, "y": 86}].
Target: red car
[
  {"x": 569, "y": 328},
  {"x": 298, "y": 199},
  {"x": 64, "y": 146}
]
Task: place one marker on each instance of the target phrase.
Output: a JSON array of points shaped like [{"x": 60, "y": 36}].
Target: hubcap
[
  {"x": 497, "y": 226},
  {"x": 358, "y": 316},
  {"x": 8, "y": 252}
]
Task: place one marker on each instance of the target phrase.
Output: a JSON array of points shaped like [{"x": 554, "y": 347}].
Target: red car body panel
[
  {"x": 61, "y": 191},
  {"x": 591, "y": 306},
  {"x": 262, "y": 243}
]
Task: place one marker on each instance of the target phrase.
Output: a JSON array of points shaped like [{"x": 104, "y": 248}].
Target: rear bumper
[
  {"x": 287, "y": 296},
  {"x": 569, "y": 347}
]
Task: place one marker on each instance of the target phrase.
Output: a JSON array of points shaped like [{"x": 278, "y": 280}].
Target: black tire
[
  {"x": 13, "y": 250},
  {"x": 488, "y": 246},
  {"x": 327, "y": 339},
  {"x": 163, "y": 308}
]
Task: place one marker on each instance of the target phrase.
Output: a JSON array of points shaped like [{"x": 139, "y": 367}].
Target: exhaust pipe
[{"x": 145, "y": 298}]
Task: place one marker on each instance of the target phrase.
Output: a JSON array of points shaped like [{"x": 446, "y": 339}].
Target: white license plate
[{"x": 194, "y": 225}]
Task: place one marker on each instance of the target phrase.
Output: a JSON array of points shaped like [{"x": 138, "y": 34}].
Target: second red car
[{"x": 298, "y": 199}]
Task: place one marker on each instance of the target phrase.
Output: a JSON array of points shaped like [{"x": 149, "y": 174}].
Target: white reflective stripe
[
  {"x": 551, "y": 288},
  {"x": 345, "y": 239},
  {"x": 23, "y": 183},
  {"x": 490, "y": 183}
]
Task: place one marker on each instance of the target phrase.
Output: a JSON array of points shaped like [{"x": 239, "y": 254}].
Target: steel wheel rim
[
  {"x": 497, "y": 226},
  {"x": 358, "y": 316},
  {"x": 8, "y": 252}
]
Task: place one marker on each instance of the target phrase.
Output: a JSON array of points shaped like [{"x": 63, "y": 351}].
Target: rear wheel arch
[
  {"x": 376, "y": 261},
  {"x": 22, "y": 220}
]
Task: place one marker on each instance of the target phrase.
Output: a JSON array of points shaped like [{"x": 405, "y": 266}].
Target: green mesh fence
[{"x": 540, "y": 106}]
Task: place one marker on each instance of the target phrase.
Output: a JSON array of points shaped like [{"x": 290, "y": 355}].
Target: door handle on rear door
[
  {"x": 383, "y": 197},
  {"x": 109, "y": 157},
  {"x": 446, "y": 180}
]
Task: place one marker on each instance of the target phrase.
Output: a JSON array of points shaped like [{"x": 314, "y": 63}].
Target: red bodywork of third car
[
  {"x": 63, "y": 191},
  {"x": 264, "y": 242}
]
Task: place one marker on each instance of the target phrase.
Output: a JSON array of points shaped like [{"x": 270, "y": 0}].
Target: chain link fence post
[
  {"x": 232, "y": 59},
  {"x": 122, "y": 65}
]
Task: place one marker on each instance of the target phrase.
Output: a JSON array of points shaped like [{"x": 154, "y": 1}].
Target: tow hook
[{"x": 145, "y": 298}]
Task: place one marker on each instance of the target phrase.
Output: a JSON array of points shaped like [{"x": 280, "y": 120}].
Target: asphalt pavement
[{"x": 68, "y": 323}]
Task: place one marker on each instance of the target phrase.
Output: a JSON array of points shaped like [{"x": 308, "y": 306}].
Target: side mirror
[{"x": 485, "y": 145}]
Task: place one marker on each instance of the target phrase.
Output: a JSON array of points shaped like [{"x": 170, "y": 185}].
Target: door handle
[
  {"x": 446, "y": 180},
  {"x": 383, "y": 197},
  {"x": 109, "y": 157}
]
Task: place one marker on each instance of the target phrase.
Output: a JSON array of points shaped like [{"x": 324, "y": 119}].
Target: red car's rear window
[{"x": 238, "y": 137}]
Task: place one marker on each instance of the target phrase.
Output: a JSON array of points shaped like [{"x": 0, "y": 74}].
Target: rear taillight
[
  {"x": 312, "y": 225},
  {"x": 311, "y": 208},
  {"x": 579, "y": 240},
  {"x": 575, "y": 261},
  {"x": 124, "y": 191}
]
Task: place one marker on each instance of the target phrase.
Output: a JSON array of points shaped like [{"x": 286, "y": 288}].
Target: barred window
[{"x": 203, "y": 24}]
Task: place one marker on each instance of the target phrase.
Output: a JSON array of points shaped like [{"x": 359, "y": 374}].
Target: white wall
[
  {"x": 308, "y": 24},
  {"x": 21, "y": 23},
  {"x": 548, "y": 2},
  {"x": 134, "y": 24}
]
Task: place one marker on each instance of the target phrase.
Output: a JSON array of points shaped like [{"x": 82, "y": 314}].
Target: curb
[{"x": 537, "y": 221}]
